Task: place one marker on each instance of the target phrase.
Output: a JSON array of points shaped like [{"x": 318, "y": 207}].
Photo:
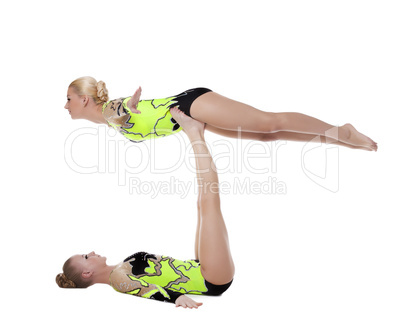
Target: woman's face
[
  {"x": 75, "y": 104},
  {"x": 88, "y": 263}
]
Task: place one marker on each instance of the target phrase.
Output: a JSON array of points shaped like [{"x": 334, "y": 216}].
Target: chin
[{"x": 74, "y": 116}]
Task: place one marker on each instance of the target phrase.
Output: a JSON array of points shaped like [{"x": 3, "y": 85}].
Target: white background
[{"x": 310, "y": 252}]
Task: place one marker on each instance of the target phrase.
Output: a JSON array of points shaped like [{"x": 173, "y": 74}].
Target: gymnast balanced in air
[
  {"x": 162, "y": 277},
  {"x": 139, "y": 120}
]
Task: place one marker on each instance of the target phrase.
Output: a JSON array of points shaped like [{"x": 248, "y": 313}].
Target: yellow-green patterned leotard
[
  {"x": 155, "y": 119},
  {"x": 161, "y": 277}
]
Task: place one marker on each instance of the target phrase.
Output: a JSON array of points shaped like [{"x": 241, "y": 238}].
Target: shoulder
[
  {"x": 121, "y": 270},
  {"x": 116, "y": 103},
  {"x": 116, "y": 112},
  {"x": 120, "y": 276}
]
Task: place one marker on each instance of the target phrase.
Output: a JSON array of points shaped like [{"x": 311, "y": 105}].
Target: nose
[{"x": 65, "y": 106}]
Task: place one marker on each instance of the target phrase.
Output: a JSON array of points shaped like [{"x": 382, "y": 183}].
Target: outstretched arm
[{"x": 133, "y": 102}]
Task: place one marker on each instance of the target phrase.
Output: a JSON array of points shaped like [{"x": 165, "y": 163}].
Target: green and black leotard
[
  {"x": 155, "y": 119},
  {"x": 161, "y": 278}
]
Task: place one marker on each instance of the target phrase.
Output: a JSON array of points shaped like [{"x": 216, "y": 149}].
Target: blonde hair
[
  {"x": 87, "y": 85},
  {"x": 71, "y": 277}
]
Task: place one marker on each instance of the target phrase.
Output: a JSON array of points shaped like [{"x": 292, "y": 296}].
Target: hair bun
[
  {"x": 64, "y": 282},
  {"x": 102, "y": 91}
]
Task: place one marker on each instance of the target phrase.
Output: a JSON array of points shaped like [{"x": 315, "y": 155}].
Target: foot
[
  {"x": 358, "y": 139},
  {"x": 189, "y": 125}
]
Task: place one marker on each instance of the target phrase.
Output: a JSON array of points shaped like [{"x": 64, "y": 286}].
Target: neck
[
  {"x": 103, "y": 277},
  {"x": 96, "y": 115}
]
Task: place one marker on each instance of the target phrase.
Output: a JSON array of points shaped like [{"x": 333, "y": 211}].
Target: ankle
[{"x": 195, "y": 135}]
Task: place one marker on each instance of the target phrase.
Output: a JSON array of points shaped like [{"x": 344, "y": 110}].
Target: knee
[{"x": 268, "y": 137}]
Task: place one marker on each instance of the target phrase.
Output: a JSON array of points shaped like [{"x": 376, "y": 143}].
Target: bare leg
[
  {"x": 281, "y": 135},
  {"x": 221, "y": 112},
  {"x": 197, "y": 231},
  {"x": 214, "y": 254}
]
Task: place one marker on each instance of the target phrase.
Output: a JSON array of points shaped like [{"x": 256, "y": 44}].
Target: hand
[
  {"x": 133, "y": 102},
  {"x": 186, "y": 302}
]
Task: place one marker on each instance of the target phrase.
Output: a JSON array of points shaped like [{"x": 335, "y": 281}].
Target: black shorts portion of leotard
[
  {"x": 216, "y": 290},
  {"x": 186, "y": 99}
]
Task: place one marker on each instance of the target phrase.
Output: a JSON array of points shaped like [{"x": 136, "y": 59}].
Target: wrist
[{"x": 178, "y": 298}]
